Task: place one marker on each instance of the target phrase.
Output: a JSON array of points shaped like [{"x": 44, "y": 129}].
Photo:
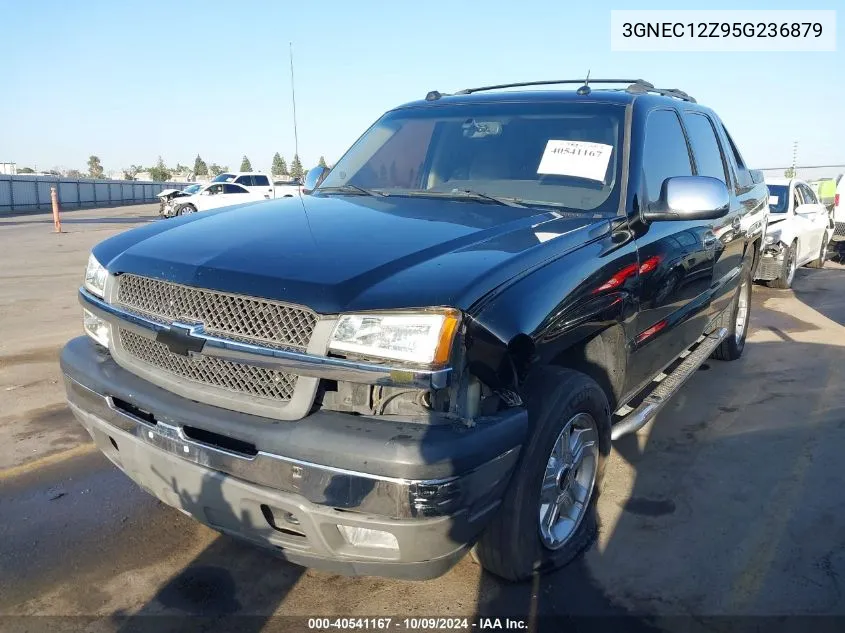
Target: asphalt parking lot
[{"x": 730, "y": 503}]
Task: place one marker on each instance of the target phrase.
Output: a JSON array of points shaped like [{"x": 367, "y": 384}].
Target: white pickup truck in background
[{"x": 261, "y": 183}]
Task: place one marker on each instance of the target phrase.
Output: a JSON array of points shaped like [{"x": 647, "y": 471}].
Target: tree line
[{"x": 160, "y": 172}]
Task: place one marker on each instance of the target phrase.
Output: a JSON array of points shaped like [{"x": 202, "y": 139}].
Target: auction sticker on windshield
[{"x": 575, "y": 158}]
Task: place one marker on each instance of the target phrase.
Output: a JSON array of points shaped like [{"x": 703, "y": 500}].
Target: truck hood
[{"x": 338, "y": 254}]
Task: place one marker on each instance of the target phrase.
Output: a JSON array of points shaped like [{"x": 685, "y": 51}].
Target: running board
[{"x": 668, "y": 386}]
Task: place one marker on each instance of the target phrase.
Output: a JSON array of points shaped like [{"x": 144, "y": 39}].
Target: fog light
[
  {"x": 96, "y": 328},
  {"x": 365, "y": 537}
]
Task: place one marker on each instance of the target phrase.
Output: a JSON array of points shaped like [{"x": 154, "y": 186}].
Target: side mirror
[
  {"x": 314, "y": 177},
  {"x": 690, "y": 198}
]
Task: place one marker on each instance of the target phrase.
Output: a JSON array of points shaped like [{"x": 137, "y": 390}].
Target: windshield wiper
[
  {"x": 350, "y": 188},
  {"x": 507, "y": 202}
]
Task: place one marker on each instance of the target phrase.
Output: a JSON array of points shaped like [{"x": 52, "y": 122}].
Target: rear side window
[
  {"x": 234, "y": 189},
  {"x": 737, "y": 156},
  {"x": 665, "y": 154},
  {"x": 743, "y": 177},
  {"x": 260, "y": 181},
  {"x": 246, "y": 181},
  {"x": 705, "y": 147}
]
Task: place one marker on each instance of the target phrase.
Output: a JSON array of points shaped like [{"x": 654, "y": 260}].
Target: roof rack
[
  {"x": 635, "y": 86},
  {"x": 638, "y": 88}
]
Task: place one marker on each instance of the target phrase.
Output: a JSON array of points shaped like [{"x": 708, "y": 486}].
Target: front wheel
[
  {"x": 548, "y": 514},
  {"x": 819, "y": 263},
  {"x": 736, "y": 319},
  {"x": 187, "y": 210},
  {"x": 787, "y": 271}
]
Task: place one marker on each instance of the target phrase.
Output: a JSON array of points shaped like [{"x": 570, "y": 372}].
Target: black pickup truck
[{"x": 432, "y": 349}]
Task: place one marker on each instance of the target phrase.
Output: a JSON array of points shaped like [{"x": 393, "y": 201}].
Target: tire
[
  {"x": 736, "y": 319},
  {"x": 787, "y": 271},
  {"x": 186, "y": 210},
  {"x": 819, "y": 263},
  {"x": 514, "y": 546}
]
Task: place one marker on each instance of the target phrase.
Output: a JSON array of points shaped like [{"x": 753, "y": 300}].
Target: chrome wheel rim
[
  {"x": 742, "y": 307},
  {"x": 187, "y": 210},
  {"x": 792, "y": 258},
  {"x": 568, "y": 481},
  {"x": 823, "y": 254}
]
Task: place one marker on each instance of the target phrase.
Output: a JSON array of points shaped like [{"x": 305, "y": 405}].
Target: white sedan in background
[
  {"x": 798, "y": 233},
  {"x": 213, "y": 196}
]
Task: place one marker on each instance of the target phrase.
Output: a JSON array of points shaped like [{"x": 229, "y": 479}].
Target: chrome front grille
[
  {"x": 234, "y": 385},
  {"x": 246, "y": 319},
  {"x": 839, "y": 229},
  {"x": 210, "y": 371}
]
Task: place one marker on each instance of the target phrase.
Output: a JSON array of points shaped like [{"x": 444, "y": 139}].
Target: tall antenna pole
[
  {"x": 293, "y": 97},
  {"x": 795, "y": 159}
]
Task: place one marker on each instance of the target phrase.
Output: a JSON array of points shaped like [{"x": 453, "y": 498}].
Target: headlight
[
  {"x": 95, "y": 276},
  {"x": 96, "y": 328},
  {"x": 773, "y": 235},
  {"x": 416, "y": 337}
]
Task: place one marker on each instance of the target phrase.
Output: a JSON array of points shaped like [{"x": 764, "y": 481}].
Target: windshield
[
  {"x": 778, "y": 198},
  {"x": 553, "y": 154},
  {"x": 223, "y": 178},
  {"x": 191, "y": 189}
]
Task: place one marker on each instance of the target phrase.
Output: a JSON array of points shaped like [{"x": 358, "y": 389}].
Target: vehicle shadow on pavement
[
  {"x": 728, "y": 504},
  {"x": 207, "y": 594},
  {"x": 818, "y": 289},
  {"x": 723, "y": 507}
]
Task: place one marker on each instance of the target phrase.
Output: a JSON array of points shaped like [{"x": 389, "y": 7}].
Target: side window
[
  {"x": 261, "y": 181},
  {"x": 245, "y": 181},
  {"x": 743, "y": 178},
  {"x": 705, "y": 146},
  {"x": 215, "y": 189},
  {"x": 796, "y": 197},
  {"x": 234, "y": 189},
  {"x": 665, "y": 153},
  {"x": 808, "y": 195}
]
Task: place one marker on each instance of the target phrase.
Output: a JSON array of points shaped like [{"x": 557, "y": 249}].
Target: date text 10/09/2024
[{"x": 416, "y": 624}]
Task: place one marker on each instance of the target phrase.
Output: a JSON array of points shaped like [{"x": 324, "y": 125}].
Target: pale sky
[{"x": 130, "y": 82}]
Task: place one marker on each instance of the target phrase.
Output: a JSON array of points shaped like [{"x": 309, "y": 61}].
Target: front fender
[{"x": 569, "y": 300}]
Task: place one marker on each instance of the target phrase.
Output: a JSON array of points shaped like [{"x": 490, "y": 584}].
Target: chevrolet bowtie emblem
[{"x": 182, "y": 339}]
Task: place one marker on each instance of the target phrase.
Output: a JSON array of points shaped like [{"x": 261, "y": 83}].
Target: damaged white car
[
  {"x": 167, "y": 196},
  {"x": 798, "y": 233}
]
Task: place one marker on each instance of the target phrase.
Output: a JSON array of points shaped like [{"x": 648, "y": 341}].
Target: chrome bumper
[
  {"x": 319, "y": 484},
  {"x": 282, "y": 360}
]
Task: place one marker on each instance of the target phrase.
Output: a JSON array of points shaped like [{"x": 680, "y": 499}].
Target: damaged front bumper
[
  {"x": 771, "y": 262},
  {"x": 307, "y": 489}
]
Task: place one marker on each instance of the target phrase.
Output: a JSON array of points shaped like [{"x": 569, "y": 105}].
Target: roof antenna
[{"x": 585, "y": 89}]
